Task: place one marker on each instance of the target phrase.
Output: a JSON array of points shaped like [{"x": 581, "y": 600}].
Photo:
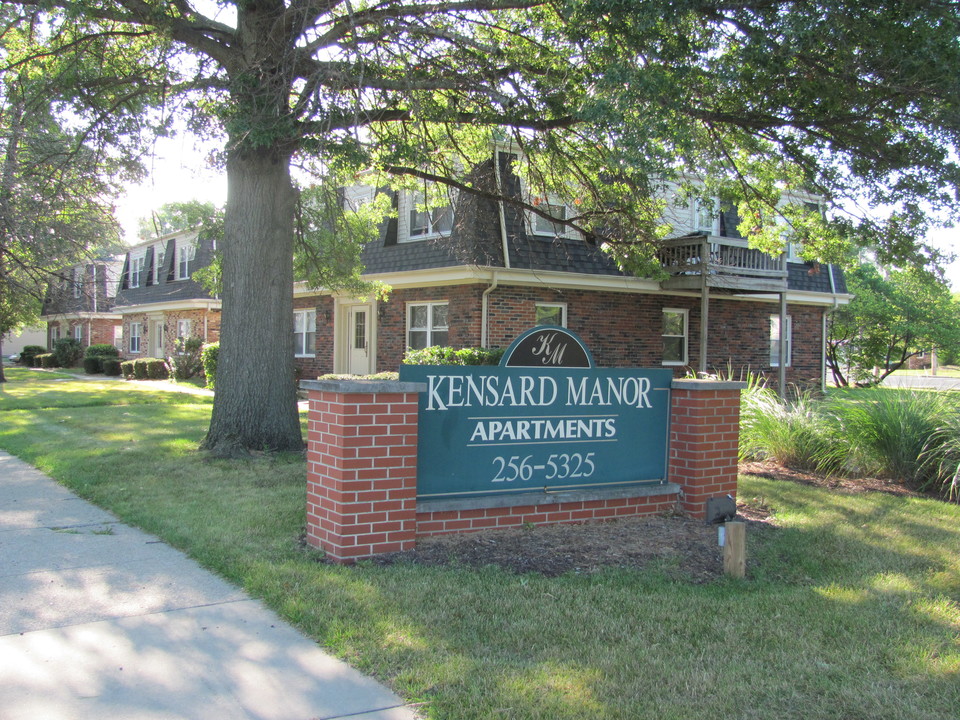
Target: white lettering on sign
[
  {"x": 508, "y": 430},
  {"x": 629, "y": 391},
  {"x": 549, "y": 350},
  {"x": 447, "y": 391}
]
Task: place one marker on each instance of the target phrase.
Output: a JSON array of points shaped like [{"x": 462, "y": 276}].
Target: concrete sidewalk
[{"x": 99, "y": 620}]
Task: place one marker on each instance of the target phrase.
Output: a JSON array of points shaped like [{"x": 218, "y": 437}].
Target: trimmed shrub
[
  {"x": 46, "y": 360},
  {"x": 156, "y": 368},
  {"x": 140, "y": 369},
  {"x": 187, "y": 361},
  {"x": 127, "y": 367},
  {"x": 111, "y": 367},
  {"x": 92, "y": 365},
  {"x": 209, "y": 356},
  {"x": 30, "y": 352},
  {"x": 436, "y": 355},
  {"x": 68, "y": 352},
  {"x": 102, "y": 350}
]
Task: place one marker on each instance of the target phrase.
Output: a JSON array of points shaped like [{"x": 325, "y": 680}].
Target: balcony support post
[{"x": 704, "y": 303}]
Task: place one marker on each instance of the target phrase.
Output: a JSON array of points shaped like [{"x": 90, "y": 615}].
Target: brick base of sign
[
  {"x": 362, "y": 471},
  {"x": 704, "y": 441}
]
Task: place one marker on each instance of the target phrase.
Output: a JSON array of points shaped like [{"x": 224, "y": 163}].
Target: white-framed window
[
  {"x": 705, "y": 216},
  {"x": 135, "y": 331},
  {"x": 424, "y": 222},
  {"x": 186, "y": 249},
  {"x": 551, "y": 314},
  {"x": 136, "y": 271},
  {"x": 546, "y": 226},
  {"x": 159, "y": 255},
  {"x": 54, "y": 333},
  {"x": 775, "y": 341},
  {"x": 304, "y": 332},
  {"x": 427, "y": 324},
  {"x": 184, "y": 328},
  {"x": 675, "y": 326},
  {"x": 77, "y": 282},
  {"x": 118, "y": 337},
  {"x": 78, "y": 333}
]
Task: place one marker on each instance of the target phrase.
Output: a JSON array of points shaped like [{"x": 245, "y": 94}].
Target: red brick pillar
[
  {"x": 361, "y": 467},
  {"x": 704, "y": 436}
]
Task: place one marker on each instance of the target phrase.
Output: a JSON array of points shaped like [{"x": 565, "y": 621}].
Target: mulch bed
[{"x": 683, "y": 548}]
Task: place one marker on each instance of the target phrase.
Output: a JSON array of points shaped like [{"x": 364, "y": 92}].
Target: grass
[{"x": 851, "y": 610}]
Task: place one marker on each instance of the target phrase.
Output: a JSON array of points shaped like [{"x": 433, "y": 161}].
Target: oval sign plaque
[{"x": 548, "y": 346}]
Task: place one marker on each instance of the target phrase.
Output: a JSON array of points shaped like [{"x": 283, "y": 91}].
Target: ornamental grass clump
[
  {"x": 896, "y": 434},
  {"x": 795, "y": 433}
]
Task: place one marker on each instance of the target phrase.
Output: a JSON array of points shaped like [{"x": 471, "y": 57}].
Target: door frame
[{"x": 343, "y": 334}]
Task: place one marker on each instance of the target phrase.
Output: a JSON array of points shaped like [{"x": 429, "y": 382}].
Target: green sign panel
[{"x": 539, "y": 426}]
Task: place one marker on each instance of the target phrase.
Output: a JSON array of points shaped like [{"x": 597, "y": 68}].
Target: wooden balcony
[{"x": 696, "y": 262}]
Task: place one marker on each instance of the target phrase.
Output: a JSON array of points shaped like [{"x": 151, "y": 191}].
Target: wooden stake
[{"x": 735, "y": 549}]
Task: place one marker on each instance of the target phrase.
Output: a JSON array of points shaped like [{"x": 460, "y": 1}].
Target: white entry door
[
  {"x": 156, "y": 339},
  {"x": 358, "y": 349}
]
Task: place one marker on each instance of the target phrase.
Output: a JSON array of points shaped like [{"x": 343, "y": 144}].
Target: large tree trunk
[{"x": 255, "y": 407}]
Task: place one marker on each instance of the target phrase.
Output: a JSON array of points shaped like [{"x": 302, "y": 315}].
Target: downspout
[
  {"x": 485, "y": 312},
  {"x": 823, "y": 330}
]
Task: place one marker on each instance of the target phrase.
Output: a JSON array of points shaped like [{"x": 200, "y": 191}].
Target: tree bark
[{"x": 255, "y": 405}]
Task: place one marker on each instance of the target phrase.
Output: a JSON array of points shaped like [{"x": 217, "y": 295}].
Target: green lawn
[{"x": 851, "y": 610}]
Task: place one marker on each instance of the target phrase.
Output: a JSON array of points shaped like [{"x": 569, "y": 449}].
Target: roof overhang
[
  {"x": 51, "y": 317},
  {"x": 471, "y": 275},
  {"x": 173, "y": 305}
]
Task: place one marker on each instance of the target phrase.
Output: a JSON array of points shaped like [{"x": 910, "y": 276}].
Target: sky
[{"x": 178, "y": 172}]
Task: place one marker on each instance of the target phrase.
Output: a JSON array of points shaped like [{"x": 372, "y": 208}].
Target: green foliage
[
  {"x": 150, "y": 369},
  {"x": 329, "y": 240},
  {"x": 208, "y": 356},
  {"x": 910, "y": 437},
  {"x": 93, "y": 364},
  {"x": 29, "y": 352},
  {"x": 102, "y": 350},
  {"x": 111, "y": 366},
  {"x": 436, "y": 355},
  {"x": 890, "y": 319},
  {"x": 127, "y": 367},
  {"x": 186, "y": 362},
  {"x": 68, "y": 352},
  {"x": 178, "y": 216},
  {"x": 45, "y": 360},
  {"x": 889, "y": 432},
  {"x": 797, "y": 433}
]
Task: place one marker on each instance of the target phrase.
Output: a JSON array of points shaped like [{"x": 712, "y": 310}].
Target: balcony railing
[{"x": 720, "y": 262}]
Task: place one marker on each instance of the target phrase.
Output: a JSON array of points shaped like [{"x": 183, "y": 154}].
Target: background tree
[
  {"x": 55, "y": 185},
  {"x": 175, "y": 217},
  {"x": 894, "y": 316},
  {"x": 601, "y": 102}
]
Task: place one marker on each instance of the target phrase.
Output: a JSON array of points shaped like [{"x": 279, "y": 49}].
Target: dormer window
[
  {"x": 548, "y": 226},
  {"x": 425, "y": 222},
  {"x": 186, "y": 250},
  {"x": 136, "y": 271},
  {"x": 159, "y": 256}
]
